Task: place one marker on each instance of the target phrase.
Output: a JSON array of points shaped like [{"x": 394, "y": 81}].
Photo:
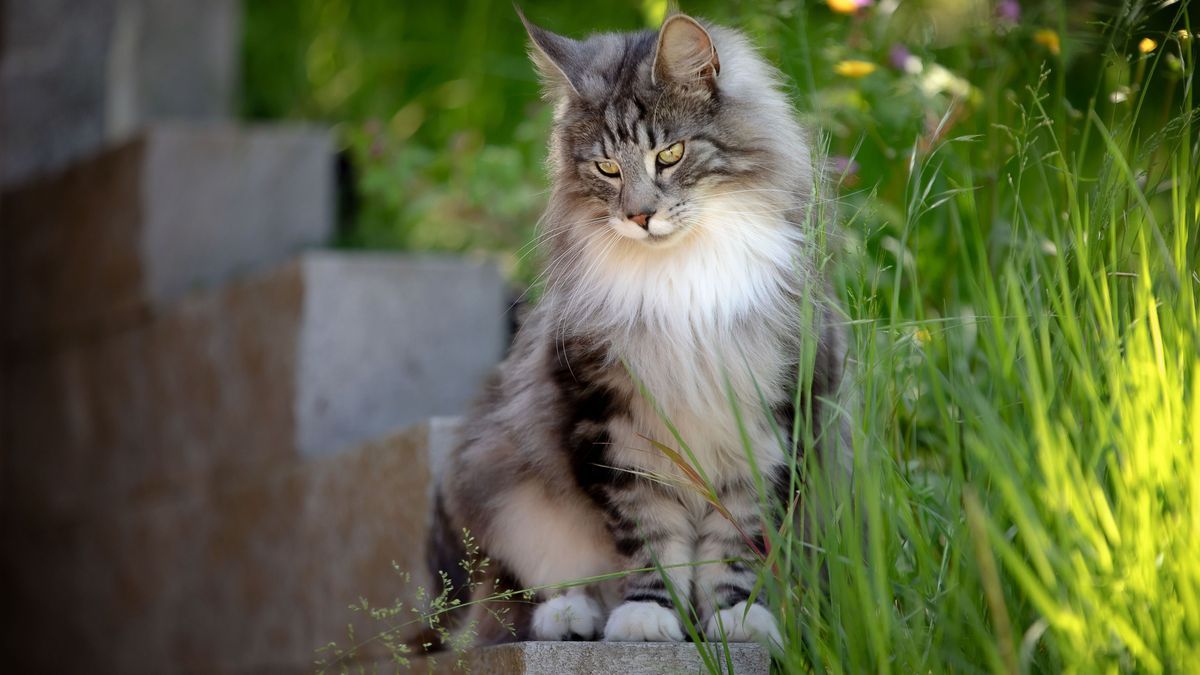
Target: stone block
[
  {"x": 443, "y": 436},
  {"x": 181, "y": 207},
  {"x": 588, "y": 658},
  {"x": 247, "y": 574},
  {"x": 316, "y": 356},
  {"x": 389, "y": 342},
  {"x": 75, "y": 76}
]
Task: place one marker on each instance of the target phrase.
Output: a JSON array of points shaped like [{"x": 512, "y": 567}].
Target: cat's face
[{"x": 643, "y": 134}]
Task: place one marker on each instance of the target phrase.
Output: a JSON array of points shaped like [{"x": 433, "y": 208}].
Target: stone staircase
[
  {"x": 215, "y": 435},
  {"x": 201, "y": 463}
]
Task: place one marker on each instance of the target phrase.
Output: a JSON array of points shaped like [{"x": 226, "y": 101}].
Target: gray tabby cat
[{"x": 680, "y": 254}]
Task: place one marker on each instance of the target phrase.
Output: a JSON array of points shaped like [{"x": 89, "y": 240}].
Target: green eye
[
  {"x": 671, "y": 155},
  {"x": 609, "y": 168}
]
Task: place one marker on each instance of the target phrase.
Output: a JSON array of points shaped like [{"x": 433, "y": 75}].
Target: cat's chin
[
  {"x": 658, "y": 241},
  {"x": 664, "y": 240}
]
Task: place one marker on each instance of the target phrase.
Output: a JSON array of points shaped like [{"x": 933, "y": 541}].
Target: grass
[
  {"x": 1045, "y": 516},
  {"x": 1021, "y": 283}
]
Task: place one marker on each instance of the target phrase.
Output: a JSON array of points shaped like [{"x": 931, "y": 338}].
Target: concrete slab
[
  {"x": 245, "y": 572},
  {"x": 602, "y": 658},
  {"x": 75, "y": 76},
  {"x": 308, "y": 359},
  {"x": 179, "y": 208}
]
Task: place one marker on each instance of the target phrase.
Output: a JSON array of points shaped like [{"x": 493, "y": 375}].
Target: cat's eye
[
  {"x": 671, "y": 155},
  {"x": 608, "y": 168}
]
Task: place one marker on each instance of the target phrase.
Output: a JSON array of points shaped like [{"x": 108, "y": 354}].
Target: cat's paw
[
  {"x": 739, "y": 625},
  {"x": 567, "y": 617},
  {"x": 643, "y": 622}
]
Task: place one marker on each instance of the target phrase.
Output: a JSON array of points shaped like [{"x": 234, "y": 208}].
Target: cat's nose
[{"x": 642, "y": 219}]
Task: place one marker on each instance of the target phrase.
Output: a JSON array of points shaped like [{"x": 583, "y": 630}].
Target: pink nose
[{"x": 641, "y": 219}]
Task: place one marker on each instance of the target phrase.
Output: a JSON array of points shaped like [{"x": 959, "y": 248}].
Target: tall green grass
[{"x": 1047, "y": 517}]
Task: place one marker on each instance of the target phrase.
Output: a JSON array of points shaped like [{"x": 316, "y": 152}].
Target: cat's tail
[
  {"x": 446, "y": 549},
  {"x": 482, "y": 610},
  {"x": 445, "y": 553}
]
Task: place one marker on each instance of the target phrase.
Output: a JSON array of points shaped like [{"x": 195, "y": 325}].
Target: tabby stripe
[{"x": 663, "y": 599}]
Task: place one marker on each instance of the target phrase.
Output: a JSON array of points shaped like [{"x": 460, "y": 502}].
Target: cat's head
[{"x": 656, "y": 133}]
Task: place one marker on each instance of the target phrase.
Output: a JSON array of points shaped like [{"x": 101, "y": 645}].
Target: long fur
[{"x": 687, "y": 322}]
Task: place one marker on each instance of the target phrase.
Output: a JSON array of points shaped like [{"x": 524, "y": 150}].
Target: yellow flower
[
  {"x": 848, "y": 6},
  {"x": 854, "y": 68},
  {"x": 1147, "y": 45},
  {"x": 1048, "y": 39}
]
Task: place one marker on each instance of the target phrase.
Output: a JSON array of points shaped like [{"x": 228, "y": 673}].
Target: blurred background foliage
[
  {"x": 437, "y": 105},
  {"x": 444, "y": 131}
]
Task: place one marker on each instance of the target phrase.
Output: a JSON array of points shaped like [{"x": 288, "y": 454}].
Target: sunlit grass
[{"x": 1048, "y": 518}]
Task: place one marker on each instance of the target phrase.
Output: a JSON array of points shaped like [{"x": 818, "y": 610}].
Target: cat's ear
[
  {"x": 685, "y": 55},
  {"x": 560, "y": 60}
]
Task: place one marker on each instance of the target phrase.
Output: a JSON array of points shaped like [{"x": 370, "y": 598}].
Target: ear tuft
[
  {"x": 557, "y": 58},
  {"x": 685, "y": 55}
]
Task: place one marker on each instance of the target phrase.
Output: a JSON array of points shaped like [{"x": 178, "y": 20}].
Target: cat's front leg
[
  {"x": 723, "y": 587},
  {"x": 548, "y": 540},
  {"x": 650, "y": 525}
]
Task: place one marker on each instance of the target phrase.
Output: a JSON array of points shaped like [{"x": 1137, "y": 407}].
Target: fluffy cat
[{"x": 681, "y": 240}]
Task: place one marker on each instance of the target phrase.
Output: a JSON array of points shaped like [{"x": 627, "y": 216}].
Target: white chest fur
[{"x": 701, "y": 325}]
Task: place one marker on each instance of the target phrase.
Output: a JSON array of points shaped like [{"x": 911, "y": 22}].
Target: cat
[{"x": 682, "y": 248}]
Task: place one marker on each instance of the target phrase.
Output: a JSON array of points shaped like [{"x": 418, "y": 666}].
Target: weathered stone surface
[
  {"x": 247, "y": 573},
  {"x": 595, "y": 658},
  {"x": 205, "y": 388},
  {"x": 443, "y": 436},
  {"x": 181, "y": 207},
  {"x": 390, "y": 344},
  {"x": 309, "y": 359},
  {"x": 77, "y": 75}
]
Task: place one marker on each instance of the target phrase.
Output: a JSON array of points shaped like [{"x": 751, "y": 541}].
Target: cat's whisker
[
  {"x": 545, "y": 235},
  {"x": 550, "y": 269},
  {"x": 565, "y": 262}
]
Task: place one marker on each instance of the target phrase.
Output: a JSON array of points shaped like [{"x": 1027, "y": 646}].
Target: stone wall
[
  {"x": 80, "y": 75},
  {"x": 213, "y": 435},
  {"x": 176, "y": 208},
  {"x": 244, "y": 571},
  {"x": 209, "y": 488}
]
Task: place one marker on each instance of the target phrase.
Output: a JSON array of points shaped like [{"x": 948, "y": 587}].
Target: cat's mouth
[{"x": 658, "y": 234}]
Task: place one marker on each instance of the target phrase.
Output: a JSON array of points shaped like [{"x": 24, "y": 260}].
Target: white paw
[
  {"x": 643, "y": 622},
  {"x": 567, "y": 617},
  {"x": 738, "y": 625}
]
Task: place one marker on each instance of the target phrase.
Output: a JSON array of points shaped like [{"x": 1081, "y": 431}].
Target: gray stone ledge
[
  {"x": 599, "y": 658},
  {"x": 308, "y": 359},
  {"x": 181, "y": 207},
  {"x": 75, "y": 76}
]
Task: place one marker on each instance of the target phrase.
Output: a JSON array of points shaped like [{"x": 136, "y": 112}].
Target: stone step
[
  {"x": 76, "y": 76},
  {"x": 246, "y": 573},
  {"x": 253, "y": 571},
  {"x": 320, "y": 354},
  {"x": 180, "y": 207},
  {"x": 626, "y": 658}
]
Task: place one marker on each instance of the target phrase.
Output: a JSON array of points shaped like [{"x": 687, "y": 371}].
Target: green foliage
[
  {"x": 438, "y": 108},
  {"x": 1024, "y": 297}
]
